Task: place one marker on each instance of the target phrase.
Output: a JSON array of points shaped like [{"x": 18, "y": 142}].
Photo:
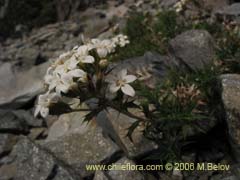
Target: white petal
[
  {"x": 37, "y": 110},
  {"x": 106, "y": 43},
  {"x": 102, "y": 52},
  {"x": 82, "y": 50},
  {"x": 62, "y": 88},
  {"x": 60, "y": 69},
  {"x": 51, "y": 86},
  {"x": 77, "y": 73},
  {"x": 113, "y": 88},
  {"x": 58, "y": 90},
  {"x": 130, "y": 78},
  {"x": 128, "y": 90},
  {"x": 73, "y": 63},
  {"x": 96, "y": 41},
  {"x": 88, "y": 59},
  {"x": 42, "y": 98},
  {"x": 54, "y": 97},
  {"x": 67, "y": 78},
  {"x": 44, "y": 112}
]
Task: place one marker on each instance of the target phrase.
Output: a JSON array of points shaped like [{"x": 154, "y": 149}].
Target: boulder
[
  {"x": 193, "y": 49},
  {"x": 19, "y": 88},
  {"x": 230, "y": 94},
  {"x": 30, "y": 161},
  {"x": 116, "y": 126},
  {"x": 79, "y": 144}
]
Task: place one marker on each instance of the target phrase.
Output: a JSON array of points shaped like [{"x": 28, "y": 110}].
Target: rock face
[
  {"x": 66, "y": 8},
  {"x": 33, "y": 162},
  {"x": 7, "y": 141},
  {"x": 230, "y": 13},
  {"x": 81, "y": 144},
  {"x": 193, "y": 49},
  {"x": 127, "y": 174},
  {"x": 168, "y": 3},
  {"x": 116, "y": 125},
  {"x": 215, "y": 4},
  {"x": 18, "y": 121},
  {"x": 230, "y": 94},
  {"x": 20, "y": 87},
  {"x": 9, "y": 122}
]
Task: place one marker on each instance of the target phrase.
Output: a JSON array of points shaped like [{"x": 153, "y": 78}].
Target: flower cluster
[
  {"x": 84, "y": 69},
  {"x": 179, "y": 6}
]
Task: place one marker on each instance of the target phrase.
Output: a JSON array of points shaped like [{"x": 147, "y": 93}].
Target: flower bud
[{"x": 103, "y": 63}]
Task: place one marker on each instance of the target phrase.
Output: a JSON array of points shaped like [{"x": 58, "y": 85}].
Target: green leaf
[{"x": 131, "y": 129}]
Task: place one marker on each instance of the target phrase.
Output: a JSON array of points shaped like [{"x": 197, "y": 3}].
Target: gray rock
[
  {"x": 30, "y": 161},
  {"x": 168, "y": 3},
  {"x": 27, "y": 117},
  {"x": 18, "y": 121},
  {"x": 66, "y": 8},
  {"x": 28, "y": 57},
  {"x": 230, "y": 94},
  {"x": 80, "y": 144},
  {"x": 222, "y": 177},
  {"x": 7, "y": 171},
  {"x": 127, "y": 174},
  {"x": 215, "y": 4},
  {"x": 229, "y": 13},
  {"x": 118, "y": 172},
  {"x": 193, "y": 49},
  {"x": 67, "y": 124},
  {"x": 100, "y": 175},
  {"x": 19, "y": 88},
  {"x": 116, "y": 126},
  {"x": 7, "y": 141},
  {"x": 10, "y": 123}
]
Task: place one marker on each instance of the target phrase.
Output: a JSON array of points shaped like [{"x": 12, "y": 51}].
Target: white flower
[
  {"x": 82, "y": 55},
  {"x": 79, "y": 73},
  {"x": 121, "y": 40},
  {"x": 179, "y": 6},
  {"x": 62, "y": 58},
  {"x": 57, "y": 83},
  {"x": 103, "y": 47},
  {"x": 70, "y": 67},
  {"x": 44, "y": 101},
  {"x": 121, "y": 81}
]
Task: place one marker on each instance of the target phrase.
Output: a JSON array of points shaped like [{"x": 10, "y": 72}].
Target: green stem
[{"x": 111, "y": 105}]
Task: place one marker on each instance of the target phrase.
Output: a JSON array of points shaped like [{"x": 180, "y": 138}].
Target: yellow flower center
[{"x": 121, "y": 82}]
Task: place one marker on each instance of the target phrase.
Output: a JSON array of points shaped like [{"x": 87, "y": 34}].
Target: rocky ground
[{"x": 58, "y": 148}]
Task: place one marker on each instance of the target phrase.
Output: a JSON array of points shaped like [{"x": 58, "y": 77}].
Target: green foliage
[
  {"x": 229, "y": 51},
  {"x": 166, "y": 24},
  {"x": 214, "y": 28},
  {"x": 147, "y": 34},
  {"x": 175, "y": 108}
]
